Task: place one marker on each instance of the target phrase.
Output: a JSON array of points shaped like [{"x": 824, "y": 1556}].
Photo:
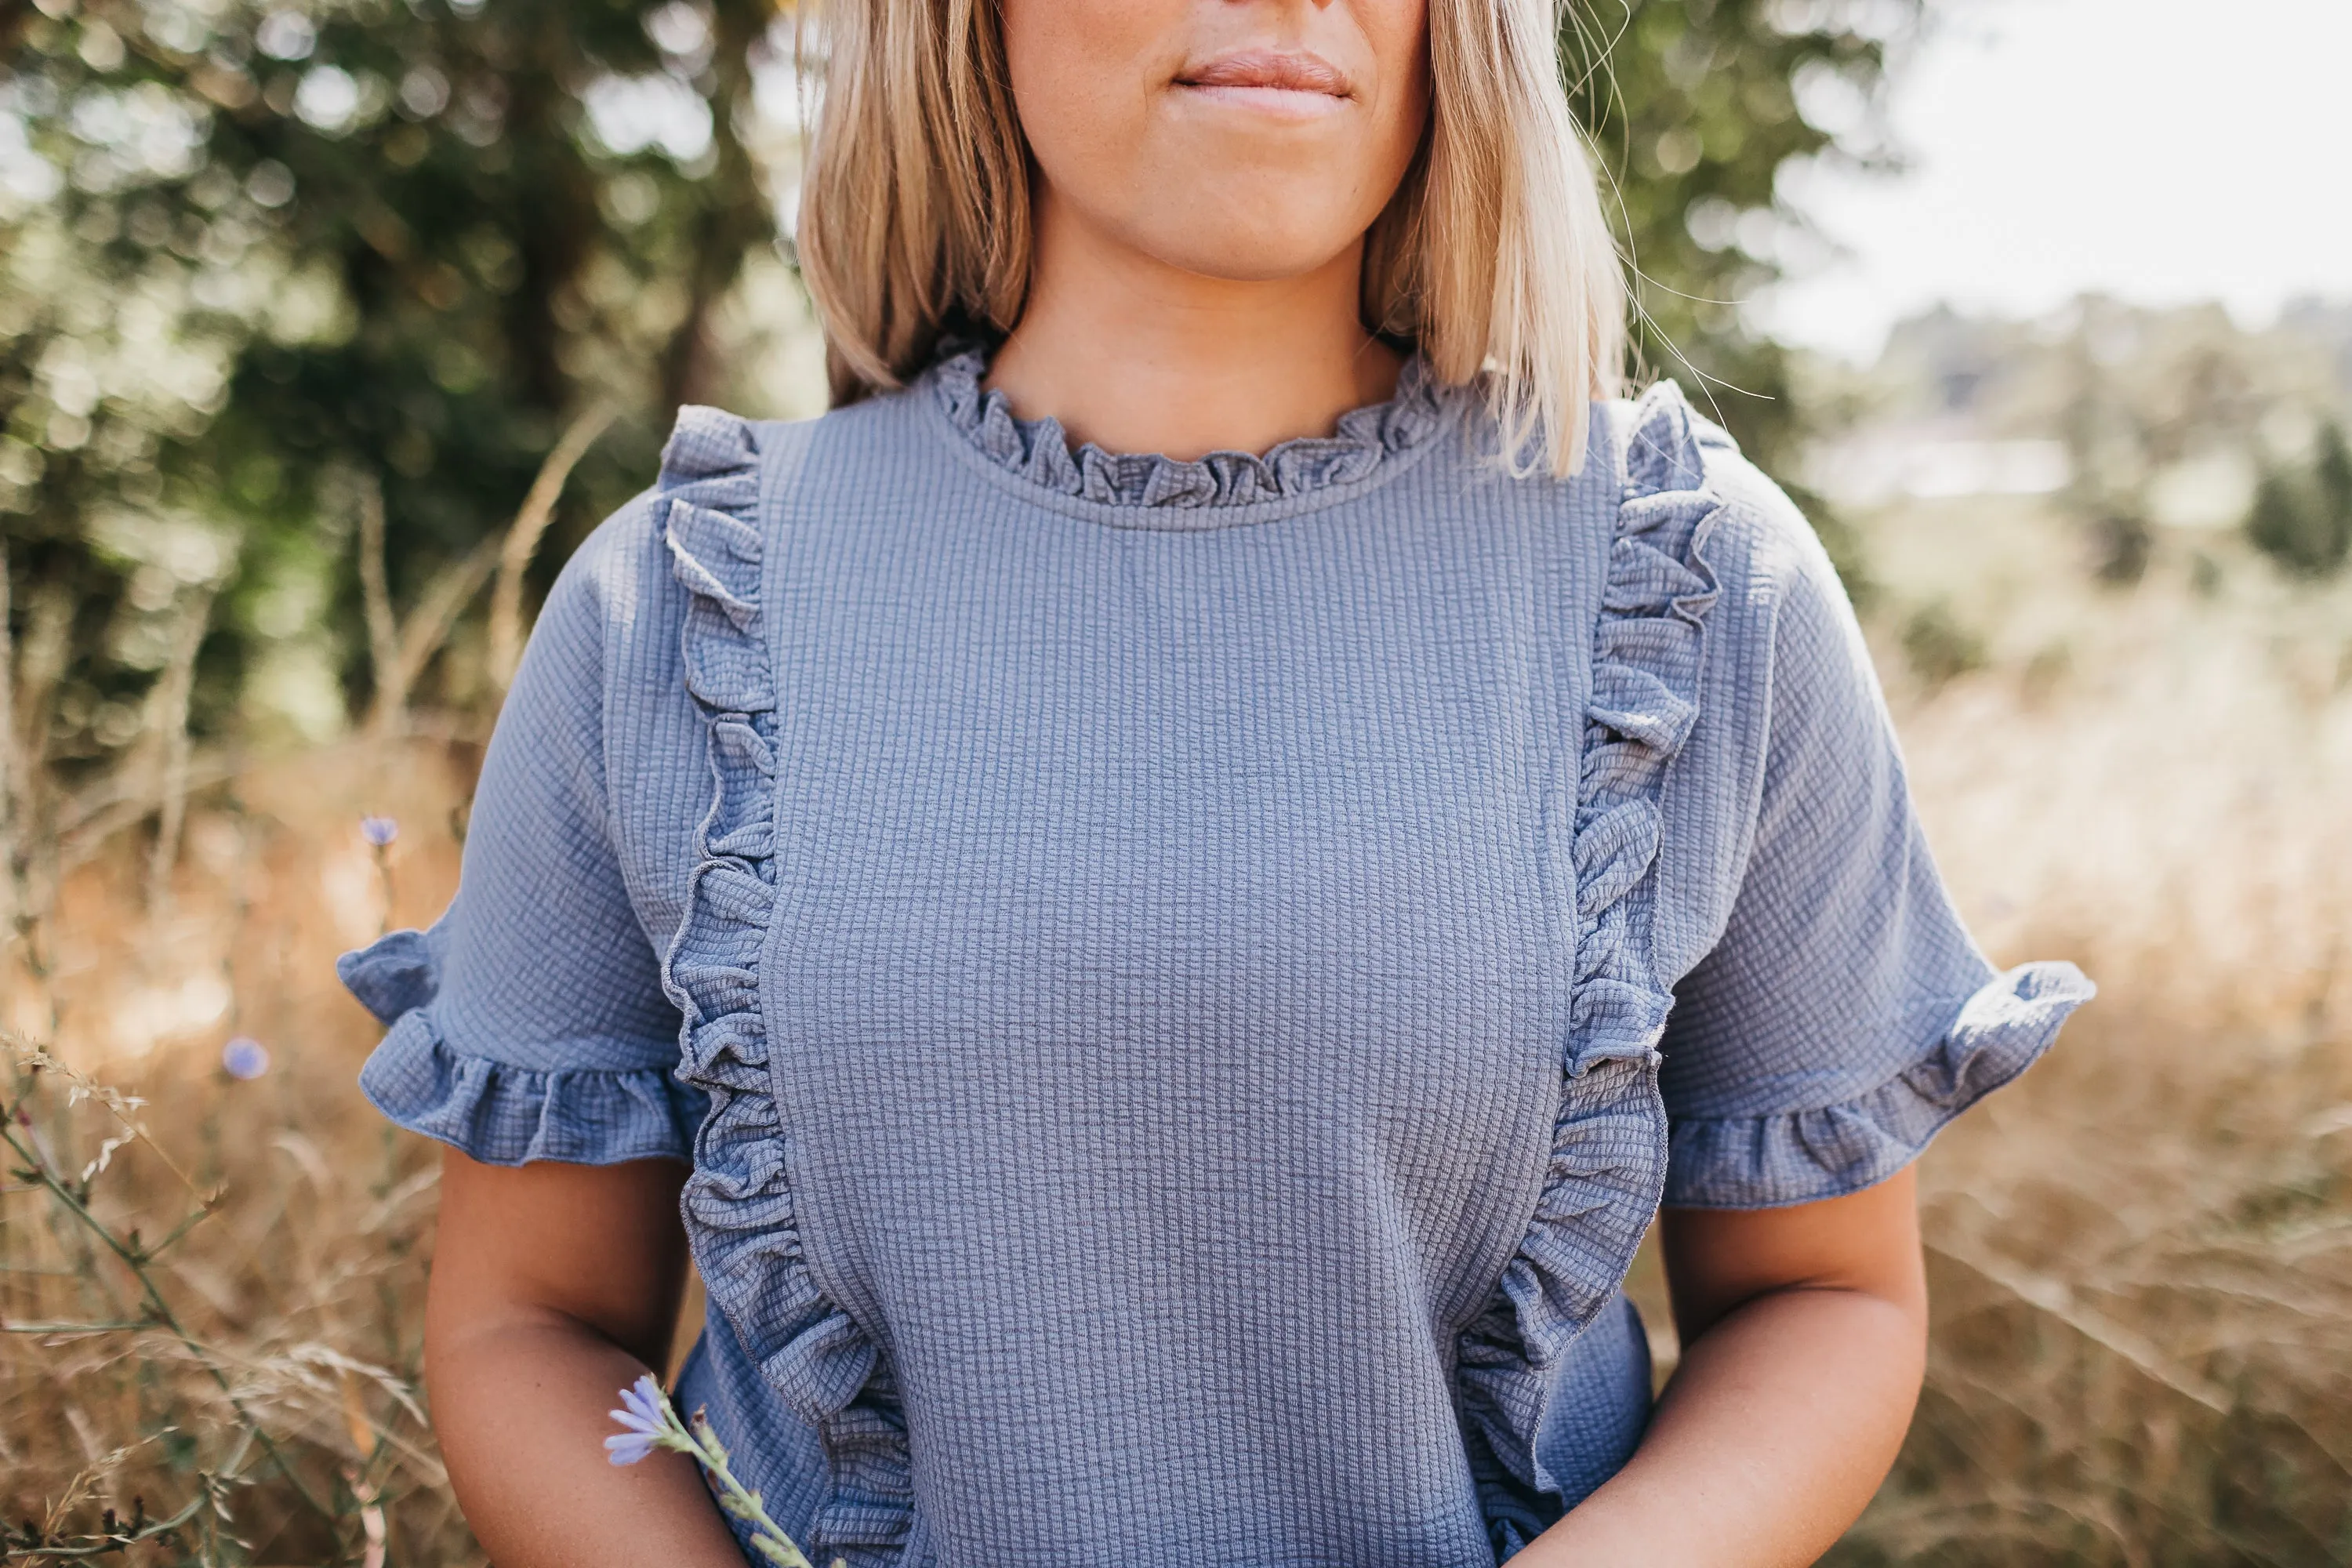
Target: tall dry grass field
[
  {"x": 2142, "y": 1254},
  {"x": 212, "y": 1299}
]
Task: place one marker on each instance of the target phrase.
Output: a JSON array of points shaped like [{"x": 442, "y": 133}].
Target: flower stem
[
  {"x": 773, "y": 1543},
  {"x": 653, "y": 1423}
]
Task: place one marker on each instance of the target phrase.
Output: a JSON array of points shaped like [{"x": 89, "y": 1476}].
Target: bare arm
[
  {"x": 553, "y": 1287},
  {"x": 1804, "y": 1333}
]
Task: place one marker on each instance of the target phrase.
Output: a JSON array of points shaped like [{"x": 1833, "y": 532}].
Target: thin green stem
[
  {"x": 713, "y": 1457},
  {"x": 195, "y": 1218},
  {"x": 696, "y": 1440}
]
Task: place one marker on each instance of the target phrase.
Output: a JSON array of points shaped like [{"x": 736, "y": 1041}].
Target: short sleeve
[
  {"x": 530, "y": 1023},
  {"x": 1844, "y": 1016}
]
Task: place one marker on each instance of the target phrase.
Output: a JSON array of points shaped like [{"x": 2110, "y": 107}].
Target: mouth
[{"x": 1291, "y": 83}]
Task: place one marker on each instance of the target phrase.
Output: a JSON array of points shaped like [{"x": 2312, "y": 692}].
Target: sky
[{"x": 2161, "y": 150}]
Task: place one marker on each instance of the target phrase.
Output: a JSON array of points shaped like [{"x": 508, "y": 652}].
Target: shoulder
[
  {"x": 604, "y": 573},
  {"x": 1754, "y": 540},
  {"x": 717, "y": 462},
  {"x": 717, "y": 469},
  {"x": 609, "y": 598},
  {"x": 1718, "y": 588},
  {"x": 713, "y": 462}
]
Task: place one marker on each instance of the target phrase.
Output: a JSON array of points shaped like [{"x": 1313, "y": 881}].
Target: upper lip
[{"x": 1295, "y": 70}]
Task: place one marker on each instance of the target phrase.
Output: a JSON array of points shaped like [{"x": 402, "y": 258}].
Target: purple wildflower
[
  {"x": 379, "y": 831},
  {"x": 244, "y": 1057},
  {"x": 648, "y": 1408},
  {"x": 644, "y": 1414},
  {"x": 650, "y": 1423},
  {"x": 627, "y": 1448}
]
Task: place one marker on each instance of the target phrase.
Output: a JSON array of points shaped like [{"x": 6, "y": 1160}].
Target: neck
[{"x": 1139, "y": 356}]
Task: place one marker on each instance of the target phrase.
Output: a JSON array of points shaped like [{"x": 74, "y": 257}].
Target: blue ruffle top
[{"x": 1182, "y": 984}]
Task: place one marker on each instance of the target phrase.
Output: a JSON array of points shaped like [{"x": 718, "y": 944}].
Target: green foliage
[
  {"x": 2303, "y": 520},
  {"x": 290, "y": 253},
  {"x": 263, "y": 260},
  {"x": 1698, "y": 111},
  {"x": 1939, "y": 647},
  {"x": 2122, "y": 542}
]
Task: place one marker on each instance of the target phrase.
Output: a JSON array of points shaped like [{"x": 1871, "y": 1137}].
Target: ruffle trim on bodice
[
  {"x": 745, "y": 1233},
  {"x": 1609, "y": 1141},
  {"x": 499, "y": 1114},
  {"x": 1746, "y": 1162},
  {"x": 1038, "y": 450}
]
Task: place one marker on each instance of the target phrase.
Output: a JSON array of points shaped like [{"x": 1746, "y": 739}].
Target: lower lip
[{"x": 1284, "y": 102}]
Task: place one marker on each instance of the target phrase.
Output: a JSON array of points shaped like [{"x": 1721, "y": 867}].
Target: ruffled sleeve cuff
[
  {"x": 493, "y": 1112},
  {"x": 1803, "y": 1156}
]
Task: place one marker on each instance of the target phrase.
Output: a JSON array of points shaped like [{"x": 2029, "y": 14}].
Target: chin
[{"x": 1258, "y": 242}]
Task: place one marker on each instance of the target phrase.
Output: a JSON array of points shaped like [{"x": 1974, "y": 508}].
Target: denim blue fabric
[{"x": 1183, "y": 983}]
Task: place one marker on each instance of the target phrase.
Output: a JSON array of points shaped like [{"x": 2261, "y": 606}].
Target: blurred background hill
[{"x": 328, "y": 328}]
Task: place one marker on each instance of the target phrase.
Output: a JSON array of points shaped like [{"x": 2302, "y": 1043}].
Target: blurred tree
[
  {"x": 2332, "y": 478},
  {"x": 2166, "y": 415},
  {"x": 263, "y": 262},
  {"x": 266, "y": 266},
  {"x": 2303, "y": 521},
  {"x": 1938, "y": 646},
  {"x": 1702, "y": 112}
]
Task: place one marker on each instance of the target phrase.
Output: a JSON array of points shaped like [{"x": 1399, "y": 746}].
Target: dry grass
[
  {"x": 2142, "y": 1254},
  {"x": 285, "y": 1382}
]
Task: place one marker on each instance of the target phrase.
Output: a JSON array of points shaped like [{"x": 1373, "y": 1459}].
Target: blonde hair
[{"x": 1493, "y": 257}]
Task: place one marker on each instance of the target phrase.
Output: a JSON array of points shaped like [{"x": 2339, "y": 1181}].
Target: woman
[{"x": 1165, "y": 983}]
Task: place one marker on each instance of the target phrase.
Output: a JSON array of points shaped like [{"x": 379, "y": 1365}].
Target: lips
[{"x": 1291, "y": 73}]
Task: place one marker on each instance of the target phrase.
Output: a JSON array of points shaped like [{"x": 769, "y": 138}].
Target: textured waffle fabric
[{"x": 1183, "y": 983}]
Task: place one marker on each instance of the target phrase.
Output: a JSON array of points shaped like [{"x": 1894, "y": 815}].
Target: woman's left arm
[{"x": 1804, "y": 1338}]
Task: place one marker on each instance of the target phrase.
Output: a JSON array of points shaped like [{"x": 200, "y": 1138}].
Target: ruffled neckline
[{"x": 1037, "y": 451}]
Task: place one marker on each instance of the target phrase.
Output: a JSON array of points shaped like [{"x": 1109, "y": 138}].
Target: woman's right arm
[{"x": 554, "y": 1287}]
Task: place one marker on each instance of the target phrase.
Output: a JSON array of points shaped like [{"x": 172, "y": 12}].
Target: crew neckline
[{"x": 1367, "y": 444}]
